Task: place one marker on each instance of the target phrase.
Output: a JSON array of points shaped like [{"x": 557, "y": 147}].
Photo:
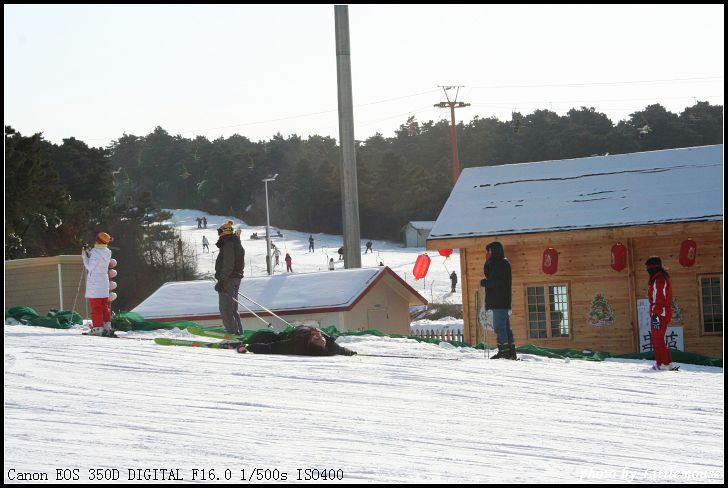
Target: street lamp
[{"x": 267, "y": 224}]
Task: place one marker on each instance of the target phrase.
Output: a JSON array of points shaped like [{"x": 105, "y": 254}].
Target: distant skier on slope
[
  {"x": 301, "y": 341},
  {"x": 277, "y": 255}
]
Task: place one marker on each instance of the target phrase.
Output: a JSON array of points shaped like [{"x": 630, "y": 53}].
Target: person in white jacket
[{"x": 96, "y": 262}]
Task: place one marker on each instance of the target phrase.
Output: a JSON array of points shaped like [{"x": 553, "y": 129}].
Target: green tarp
[
  {"x": 54, "y": 319},
  {"x": 127, "y": 321}
]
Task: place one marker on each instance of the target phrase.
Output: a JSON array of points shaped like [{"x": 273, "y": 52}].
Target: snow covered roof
[
  {"x": 422, "y": 224},
  {"x": 675, "y": 185},
  {"x": 284, "y": 293}
]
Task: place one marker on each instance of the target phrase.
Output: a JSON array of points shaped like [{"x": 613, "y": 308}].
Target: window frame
[
  {"x": 700, "y": 277},
  {"x": 547, "y": 296}
]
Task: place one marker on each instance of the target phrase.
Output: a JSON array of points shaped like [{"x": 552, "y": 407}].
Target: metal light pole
[{"x": 267, "y": 224}]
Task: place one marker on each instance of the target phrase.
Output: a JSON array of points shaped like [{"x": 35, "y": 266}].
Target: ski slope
[
  {"x": 442, "y": 414},
  {"x": 435, "y": 287}
]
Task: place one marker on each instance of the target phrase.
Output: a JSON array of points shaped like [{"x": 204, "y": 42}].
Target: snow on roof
[
  {"x": 675, "y": 185},
  {"x": 337, "y": 290},
  {"x": 422, "y": 224}
]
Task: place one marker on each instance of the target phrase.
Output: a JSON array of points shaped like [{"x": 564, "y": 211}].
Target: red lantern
[
  {"x": 445, "y": 252},
  {"x": 619, "y": 256},
  {"x": 421, "y": 266},
  {"x": 688, "y": 251},
  {"x": 550, "y": 260}
]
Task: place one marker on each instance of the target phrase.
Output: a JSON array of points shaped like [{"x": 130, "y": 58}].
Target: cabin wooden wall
[
  {"x": 46, "y": 283},
  {"x": 584, "y": 265}
]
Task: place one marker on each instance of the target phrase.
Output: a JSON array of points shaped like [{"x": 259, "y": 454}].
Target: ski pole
[
  {"x": 485, "y": 325},
  {"x": 268, "y": 324},
  {"x": 78, "y": 290},
  {"x": 267, "y": 310}
]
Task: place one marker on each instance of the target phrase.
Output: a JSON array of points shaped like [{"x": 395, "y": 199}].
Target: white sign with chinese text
[{"x": 674, "y": 335}]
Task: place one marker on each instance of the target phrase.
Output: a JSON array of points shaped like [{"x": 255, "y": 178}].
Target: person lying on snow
[{"x": 301, "y": 341}]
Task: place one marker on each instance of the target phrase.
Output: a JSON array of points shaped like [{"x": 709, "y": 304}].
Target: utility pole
[
  {"x": 453, "y": 128},
  {"x": 349, "y": 191},
  {"x": 267, "y": 225}
]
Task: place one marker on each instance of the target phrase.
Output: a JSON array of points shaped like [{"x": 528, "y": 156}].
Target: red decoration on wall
[
  {"x": 421, "y": 266},
  {"x": 619, "y": 256},
  {"x": 445, "y": 252},
  {"x": 688, "y": 252},
  {"x": 550, "y": 260}
]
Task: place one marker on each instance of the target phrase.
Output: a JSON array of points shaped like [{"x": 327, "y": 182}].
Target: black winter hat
[
  {"x": 496, "y": 250},
  {"x": 653, "y": 262}
]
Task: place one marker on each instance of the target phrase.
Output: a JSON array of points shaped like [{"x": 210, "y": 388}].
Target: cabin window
[
  {"x": 711, "y": 294},
  {"x": 548, "y": 311}
]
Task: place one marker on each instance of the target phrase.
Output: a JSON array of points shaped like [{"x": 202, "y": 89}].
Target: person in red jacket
[
  {"x": 660, "y": 295},
  {"x": 288, "y": 263}
]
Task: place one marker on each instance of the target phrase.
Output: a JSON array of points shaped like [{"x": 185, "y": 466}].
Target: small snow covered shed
[
  {"x": 577, "y": 233},
  {"x": 352, "y": 299},
  {"x": 416, "y": 232}
]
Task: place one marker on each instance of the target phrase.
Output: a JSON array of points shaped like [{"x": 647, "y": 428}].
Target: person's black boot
[
  {"x": 512, "y": 351},
  {"x": 502, "y": 352}
]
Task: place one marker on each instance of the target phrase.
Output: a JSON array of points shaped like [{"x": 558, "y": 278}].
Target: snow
[
  {"x": 675, "y": 185},
  {"x": 424, "y": 413},
  {"x": 282, "y": 292},
  {"x": 435, "y": 287},
  {"x": 422, "y": 224},
  {"x": 444, "y": 415}
]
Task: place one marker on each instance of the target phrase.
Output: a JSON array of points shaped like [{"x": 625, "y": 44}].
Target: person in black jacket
[
  {"x": 497, "y": 284},
  {"x": 301, "y": 341},
  {"x": 228, "y": 273}
]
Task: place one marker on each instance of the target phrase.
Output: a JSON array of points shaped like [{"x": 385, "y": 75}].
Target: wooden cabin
[
  {"x": 349, "y": 299},
  {"x": 577, "y": 233},
  {"x": 46, "y": 283}
]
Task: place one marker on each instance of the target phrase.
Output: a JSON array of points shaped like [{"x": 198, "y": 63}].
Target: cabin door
[{"x": 377, "y": 318}]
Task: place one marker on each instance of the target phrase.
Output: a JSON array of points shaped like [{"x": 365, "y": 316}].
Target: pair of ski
[
  {"x": 229, "y": 341},
  {"x": 672, "y": 368}
]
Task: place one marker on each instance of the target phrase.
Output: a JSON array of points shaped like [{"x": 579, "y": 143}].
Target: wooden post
[
  {"x": 465, "y": 292},
  {"x": 632, "y": 293}
]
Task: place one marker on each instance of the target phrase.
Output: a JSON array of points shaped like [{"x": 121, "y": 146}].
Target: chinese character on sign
[
  {"x": 671, "y": 339},
  {"x": 646, "y": 343}
]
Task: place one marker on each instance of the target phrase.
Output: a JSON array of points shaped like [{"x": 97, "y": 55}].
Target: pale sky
[{"x": 96, "y": 72}]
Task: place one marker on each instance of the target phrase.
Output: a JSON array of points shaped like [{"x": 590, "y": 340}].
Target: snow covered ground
[
  {"x": 442, "y": 414},
  {"x": 131, "y": 410},
  {"x": 435, "y": 287}
]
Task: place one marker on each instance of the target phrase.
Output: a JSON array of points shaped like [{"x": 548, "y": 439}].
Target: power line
[
  {"x": 673, "y": 80},
  {"x": 606, "y": 83},
  {"x": 309, "y": 114},
  {"x": 507, "y": 104}
]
